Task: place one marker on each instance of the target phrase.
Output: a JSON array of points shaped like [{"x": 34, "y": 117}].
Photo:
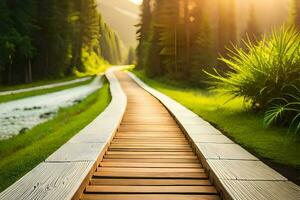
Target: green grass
[
  {"x": 22, "y": 153},
  {"x": 22, "y": 95},
  {"x": 244, "y": 127}
]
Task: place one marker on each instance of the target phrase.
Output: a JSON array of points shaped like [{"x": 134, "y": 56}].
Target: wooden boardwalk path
[{"x": 149, "y": 157}]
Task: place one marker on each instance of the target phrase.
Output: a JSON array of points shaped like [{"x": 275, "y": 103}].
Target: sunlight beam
[{"x": 137, "y": 2}]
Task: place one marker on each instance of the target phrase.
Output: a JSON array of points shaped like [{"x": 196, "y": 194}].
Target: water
[{"x": 20, "y": 115}]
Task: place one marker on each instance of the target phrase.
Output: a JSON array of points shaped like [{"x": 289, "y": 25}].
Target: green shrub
[{"x": 266, "y": 74}]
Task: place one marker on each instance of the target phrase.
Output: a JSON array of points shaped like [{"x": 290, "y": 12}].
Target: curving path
[{"x": 149, "y": 157}]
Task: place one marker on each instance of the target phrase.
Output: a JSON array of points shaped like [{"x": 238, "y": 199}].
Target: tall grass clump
[{"x": 266, "y": 74}]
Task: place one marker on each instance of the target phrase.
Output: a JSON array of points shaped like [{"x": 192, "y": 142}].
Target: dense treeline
[
  {"x": 52, "y": 38},
  {"x": 182, "y": 38},
  {"x": 176, "y": 37}
]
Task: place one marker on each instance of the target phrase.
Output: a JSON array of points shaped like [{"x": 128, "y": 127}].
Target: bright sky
[{"x": 137, "y": 2}]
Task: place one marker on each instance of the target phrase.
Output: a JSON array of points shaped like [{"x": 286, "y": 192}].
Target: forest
[
  {"x": 176, "y": 38},
  {"x": 178, "y": 43},
  {"x": 53, "y": 39}
]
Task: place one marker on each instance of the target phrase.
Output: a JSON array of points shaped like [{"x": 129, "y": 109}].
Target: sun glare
[{"x": 137, "y": 2}]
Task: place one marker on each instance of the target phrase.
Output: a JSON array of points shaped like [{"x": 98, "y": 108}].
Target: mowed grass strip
[
  {"x": 244, "y": 127},
  {"x": 11, "y": 97},
  {"x": 22, "y": 153}
]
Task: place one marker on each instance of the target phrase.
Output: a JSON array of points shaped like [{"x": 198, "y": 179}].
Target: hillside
[{"x": 122, "y": 16}]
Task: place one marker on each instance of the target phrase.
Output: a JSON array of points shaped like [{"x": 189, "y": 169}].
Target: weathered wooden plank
[
  {"x": 202, "y": 129},
  {"x": 71, "y": 152},
  {"x": 244, "y": 170},
  {"x": 262, "y": 190},
  {"x": 211, "y": 138},
  {"x": 224, "y": 151},
  {"x": 49, "y": 181}
]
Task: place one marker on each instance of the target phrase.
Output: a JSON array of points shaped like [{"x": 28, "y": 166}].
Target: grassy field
[
  {"x": 23, "y": 152},
  {"x": 244, "y": 127},
  {"x": 22, "y": 95}
]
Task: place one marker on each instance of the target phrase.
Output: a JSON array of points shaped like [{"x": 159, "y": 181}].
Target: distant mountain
[{"x": 122, "y": 16}]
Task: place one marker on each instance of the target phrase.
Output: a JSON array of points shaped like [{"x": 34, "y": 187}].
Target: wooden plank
[
  {"x": 49, "y": 181},
  {"x": 153, "y": 149},
  {"x": 148, "y": 133},
  {"x": 150, "y": 148},
  {"x": 149, "y": 164},
  {"x": 224, "y": 151},
  {"x": 153, "y": 160},
  {"x": 244, "y": 170},
  {"x": 148, "y": 128},
  {"x": 120, "y": 181},
  {"x": 151, "y": 139},
  {"x": 125, "y": 170},
  {"x": 148, "y": 197},
  {"x": 151, "y": 174},
  {"x": 149, "y": 145},
  {"x": 149, "y": 153},
  {"x": 136, "y": 122},
  {"x": 262, "y": 190},
  {"x": 149, "y": 156},
  {"x": 73, "y": 152},
  {"x": 153, "y": 189},
  {"x": 144, "y": 118},
  {"x": 148, "y": 142},
  {"x": 211, "y": 138}
]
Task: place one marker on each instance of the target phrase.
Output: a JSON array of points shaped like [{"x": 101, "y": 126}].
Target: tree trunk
[
  {"x": 10, "y": 70},
  {"x": 26, "y": 73},
  {"x": 29, "y": 71},
  {"x": 187, "y": 33}
]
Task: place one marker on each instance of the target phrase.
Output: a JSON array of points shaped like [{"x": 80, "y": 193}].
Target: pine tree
[
  {"x": 203, "y": 55},
  {"x": 153, "y": 65},
  {"x": 7, "y": 46},
  {"x": 170, "y": 36},
  {"x": 143, "y": 33}
]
